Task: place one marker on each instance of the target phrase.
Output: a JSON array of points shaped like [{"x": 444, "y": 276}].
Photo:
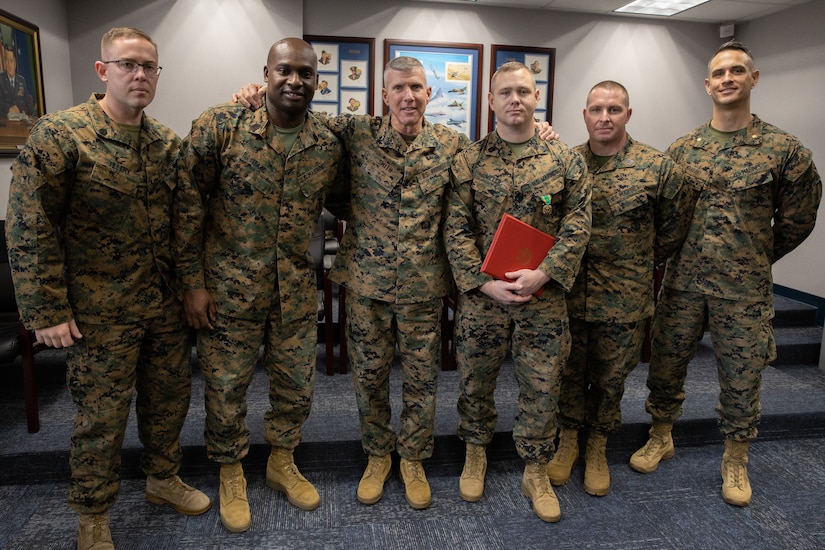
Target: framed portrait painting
[
  {"x": 345, "y": 74},
  {"x": 21, "y": 81},
  {"x": 541, "y": 62},
  {"x": 454, "y": 74}
]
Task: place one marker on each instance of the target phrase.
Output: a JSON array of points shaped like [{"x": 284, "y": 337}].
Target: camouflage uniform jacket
[
  {"x": 488, "y": 180},
  {"x": 88, "y": 219},
  {"x": 758, "y": 196},
  {"x": 641, "y": 213},
  {"x": 392, "y": 248},
  {"x": 246, "y": 211}
]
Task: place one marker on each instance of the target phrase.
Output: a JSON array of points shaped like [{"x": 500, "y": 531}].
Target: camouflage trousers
[
  {"x": 374, "y": 328},
  {"x": 743, "y": 343},
  {"x": 592, "y": 385},
  {"x": 110, "y": 363},
  {"x": 538, "y": 336},
  {"x": 229, "y": 355}
]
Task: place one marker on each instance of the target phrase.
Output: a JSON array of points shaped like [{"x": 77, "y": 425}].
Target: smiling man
[
  {"x": 544, "y": 184},
  {"x": 758, "y": 194},
  {"x": 641, "y": 212},
  {"x": 253, "y": 184}
]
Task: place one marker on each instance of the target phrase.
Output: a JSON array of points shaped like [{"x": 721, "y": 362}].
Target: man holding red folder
[{"x": 543, "y": 184}]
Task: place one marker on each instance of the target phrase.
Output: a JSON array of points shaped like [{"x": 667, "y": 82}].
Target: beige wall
[{"x": 209, "y": 48}]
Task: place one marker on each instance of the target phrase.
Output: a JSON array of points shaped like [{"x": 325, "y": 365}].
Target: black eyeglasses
[{"x": 149, "y": 69}]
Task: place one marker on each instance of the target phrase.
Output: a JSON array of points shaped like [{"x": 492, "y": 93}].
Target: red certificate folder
[{"x": 516, "y": 245}]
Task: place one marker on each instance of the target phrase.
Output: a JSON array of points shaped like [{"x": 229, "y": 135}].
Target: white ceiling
[{"x": 714, "y": 11}]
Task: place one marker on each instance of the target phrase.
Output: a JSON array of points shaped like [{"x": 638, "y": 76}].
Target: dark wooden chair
[
  {"x": 448, "y": 331},
  {"x": 15, "y": 339},
  {"x": 324, "y": 247}
]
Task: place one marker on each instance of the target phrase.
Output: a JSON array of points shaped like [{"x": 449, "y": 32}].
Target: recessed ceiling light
[{"x": 664, "y": 8}]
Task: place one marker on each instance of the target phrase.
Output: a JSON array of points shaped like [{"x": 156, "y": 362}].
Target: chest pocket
[
  {"x": 696, "y": 177},
  {"x": 313, "y": 174},
  {"x": 110, "y": 197},
  {"x": 626, "y": 201},
  {"x": 490, "y": 197},
  {"x": 541, "y": 202},
  {"x": 434, "y": 179},
  {"x": 755, "y": 176}
]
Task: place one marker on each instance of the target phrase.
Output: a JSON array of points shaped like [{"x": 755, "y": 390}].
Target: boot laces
[
  {"x": 97, "y": 529},
  {"x": 473, "y": 464},
  {"x": 652, "y": 446},
  {"x": 415, "y": 470},
  {"x": 235, "y": 486},
  {"x": 373, "y": 468},
  {"x": 736, "y": 474},
  {"x": 567, "y": 449},
  {"x": 540, "y": 482}
]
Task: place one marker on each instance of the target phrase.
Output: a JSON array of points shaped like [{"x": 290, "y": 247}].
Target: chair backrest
[
  {"x": 9, "y": 319},
  {"x": 8, "y": 303}
]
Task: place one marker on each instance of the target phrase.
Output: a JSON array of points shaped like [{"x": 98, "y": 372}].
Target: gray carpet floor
[{"x": 678, "y": 506}]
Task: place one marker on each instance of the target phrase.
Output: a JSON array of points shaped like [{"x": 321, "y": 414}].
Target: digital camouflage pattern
[
  {"x": 546, "y": 186},
  {"x": 228, "y": 358},
  {"x": 392, "y": 249},
  {"x": 641, "y": 213},
  {"x": 149, "y": 359},
  {"x": 88, "y": 227},
  {"x": 487, "y": 181},
  {"x": 758, "y": 194},
  {"x": 73, "y": 249},
  {"x": 370, "y": 324},
  {"x": 602, "y": 355},
  {"x": 246, "y": 211},
  {"x": 393, "y": 264},
  {"x": 743, "y": 344}
]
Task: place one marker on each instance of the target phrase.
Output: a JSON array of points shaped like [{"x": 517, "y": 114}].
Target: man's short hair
[
  {"x": 117, "y": 33},
  {"x": 733, "y": 45},
  {"x": 611, "y": 85},
  {"x": 403, "y": 64},
  {"x": 510, "y": 67}
]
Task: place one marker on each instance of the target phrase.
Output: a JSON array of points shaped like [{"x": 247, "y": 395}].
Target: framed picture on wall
[
  {"x": 21, "y": 81},
  {"x": 541, "y": 62},
  {"x": 345, "y": 74},
  {"x": 454, "y": 74}
]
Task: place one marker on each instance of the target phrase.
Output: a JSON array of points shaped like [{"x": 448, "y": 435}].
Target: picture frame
[
  {"x": 541, "y": 61},
  {"x": 345, "y": 74},
  {"x": 22, "y": 99},
  {"x": 454, "y": 73}
]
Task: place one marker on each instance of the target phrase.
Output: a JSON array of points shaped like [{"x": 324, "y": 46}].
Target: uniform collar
[
  {"x": 388, "y": 138},
  {"x": 109, "y": 129},
  {"x": 753, "y": 135},
  {"x": 495, "y": 146}
]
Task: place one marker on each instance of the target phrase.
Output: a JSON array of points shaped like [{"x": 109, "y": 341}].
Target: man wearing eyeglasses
[{"x": 88, "y": 229}]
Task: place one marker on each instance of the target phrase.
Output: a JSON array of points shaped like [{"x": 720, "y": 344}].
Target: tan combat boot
[
  {"x": 174, "y": 492},
  {"x": 417, "y": 488},
  {"x": 567, "y": 453},
  {"x": 471, "y": 484},
  {"x": 736, "y": 489},
  {"x": 371, "y": 487},
  {"x": 235, "y": 515},
  {"x": 535, "y": 485},
  {"x": 596, "y": 472},
  {"x": 93, "y": 532},
  {"x": 659, "y": 447},
  {"x": 282, "y": 475}
]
